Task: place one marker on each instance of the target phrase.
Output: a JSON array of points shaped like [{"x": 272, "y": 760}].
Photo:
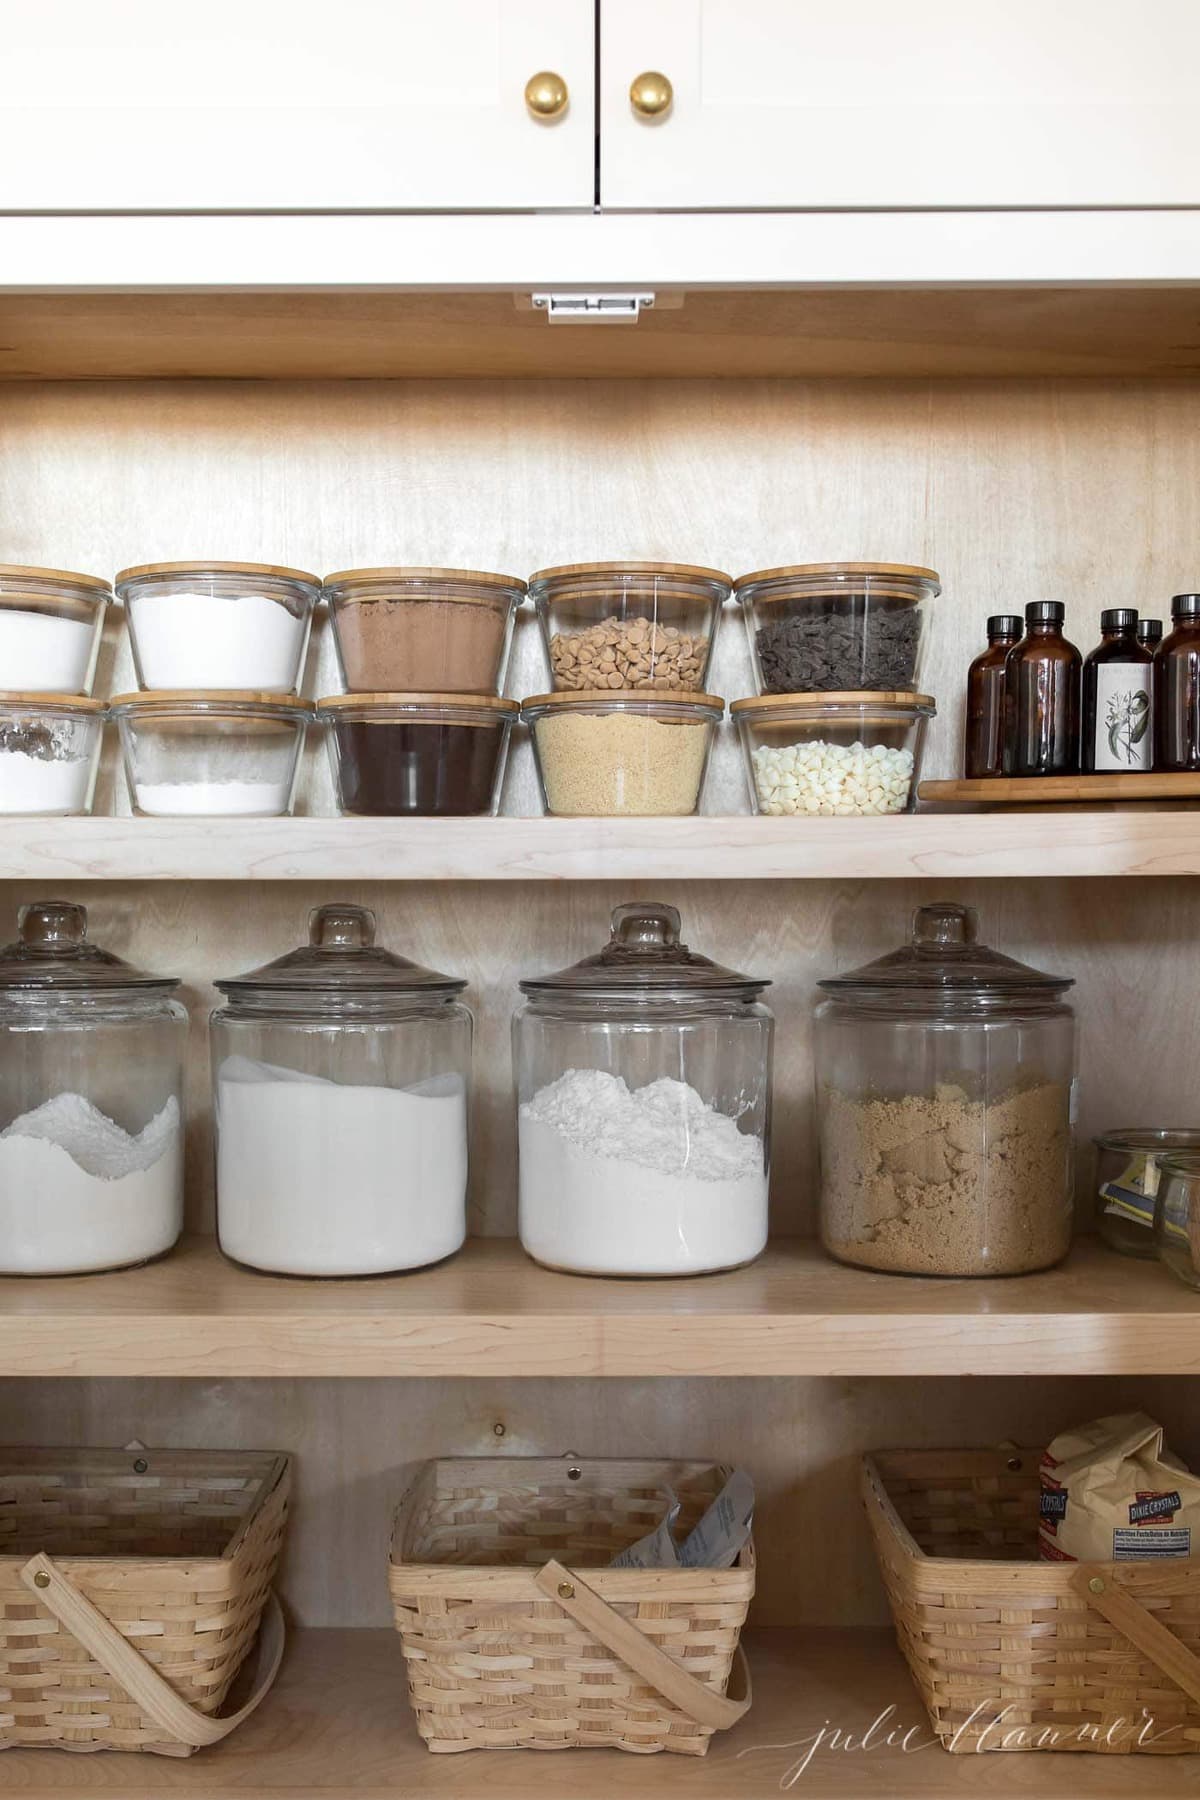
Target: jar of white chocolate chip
[{"x": 825, "y": 755}]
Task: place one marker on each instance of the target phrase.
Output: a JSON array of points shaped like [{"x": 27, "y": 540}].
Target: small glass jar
[
  {"x": 825, "y": 755},
  {"x": 211, "y": 755},
  {"x": 1177, "y": 1215},
  {"x": 444, "y": 631},
  {"x": 50, "y": 627},
  {"x": 341, "y": 1075},
  {"x": 609, "y": 755},
  {"x": 945, "y": 1077},
  {"x": 219, "y": 625},
  {"x": 837, "y": 627},
  {"x": 49, "y": 753},
  {"x": 621, "y": 625},
  {"x": 644, "y": 1107},
  {"x": 1128, "y": 1171},
  {"x": 396, "y": 755},
  {"x": 91, "y": 1102}
]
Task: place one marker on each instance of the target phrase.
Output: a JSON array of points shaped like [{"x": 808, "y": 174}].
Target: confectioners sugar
[
  {"x": 648, "y": 1181},
  {"x": 78, "y": 1193},
  {"x": 216, "y": 799},
  {"x": 317, "y": 1177},
  {"x": 41, "y": 652},
  {"x": 214, "y": 641}
]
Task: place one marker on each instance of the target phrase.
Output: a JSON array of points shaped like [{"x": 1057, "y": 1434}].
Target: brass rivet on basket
[
  {"x": 573, "y": 1474},
  {"x": 566, "y": 1590},
  {"x": 140, "y": 1466},
  {"x": 41, "y": 1579},
  {"x": 1096, "y": 1585}
]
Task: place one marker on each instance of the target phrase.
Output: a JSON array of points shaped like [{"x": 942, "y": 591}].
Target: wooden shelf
[
  {"x": 1139, "y": 841},
  {"x": 491, "y": 1311},
  {"x": 338, "y": 1723}
]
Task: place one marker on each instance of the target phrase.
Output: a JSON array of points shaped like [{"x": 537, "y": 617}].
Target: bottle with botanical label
[
  {"x": 1177, "y": 689},
  {"x": 1118, "y": 699},
  {"x": 1041, "y": 696},
  {"x": 983, "y": 741}
]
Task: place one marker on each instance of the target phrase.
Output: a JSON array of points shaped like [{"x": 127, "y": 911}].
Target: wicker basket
[
  {"x": 1010, "y": 1653},
  {"x": 508, "y": 1649},
  {"x": 131, "y": 1589}
]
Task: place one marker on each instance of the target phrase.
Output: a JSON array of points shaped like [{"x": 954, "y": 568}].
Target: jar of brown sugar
[
  {"x": 443, "y": 631},
  {"x": 945, "y": 1078}
]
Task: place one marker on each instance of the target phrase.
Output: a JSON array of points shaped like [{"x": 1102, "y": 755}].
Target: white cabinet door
[
  {"x": 903, "y": 103},
  {"x": 131, "y": 105}
]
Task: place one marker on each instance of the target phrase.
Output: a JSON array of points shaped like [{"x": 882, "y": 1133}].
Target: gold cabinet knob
[
  {"x": 651, "y": 94},
  {"x": 546, "y": 95}
]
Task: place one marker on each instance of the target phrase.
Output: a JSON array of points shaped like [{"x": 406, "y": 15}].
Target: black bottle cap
[
  {"x": 1118, "y": 618},
  {"x": 1149, "y": 631},
  {"x": 1185, "y": 606},
  {"x": 1045, "y": 612},
  {"x": 1004, "y": 625}
]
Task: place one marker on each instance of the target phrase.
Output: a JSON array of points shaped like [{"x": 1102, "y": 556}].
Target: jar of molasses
[{"x": 403, "y": 754}]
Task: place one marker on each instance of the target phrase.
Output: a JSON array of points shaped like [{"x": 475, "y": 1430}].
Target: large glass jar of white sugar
[
  {"x": 91, "y": 1098},
  {"x": 644, "y": 1107},
  {"x": 340, "y": 1084}
]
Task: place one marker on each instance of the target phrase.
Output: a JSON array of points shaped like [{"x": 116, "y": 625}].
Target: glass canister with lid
[
  {"x": 91, "y": 1102},
  {"x": 945, "y": 1106},
  {"x": 340, "y": 1080},
  {"x": 644, "y": 1107}
]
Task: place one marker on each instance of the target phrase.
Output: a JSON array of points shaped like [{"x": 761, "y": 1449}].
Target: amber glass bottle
[
  {"x": 1041, "y": 696},
  {"x": 1150, "y": 633},
  {"x": 983, "y": 740},
  {"x": 1118, "y": 699},
  {"x": 1177, "y": 689}
]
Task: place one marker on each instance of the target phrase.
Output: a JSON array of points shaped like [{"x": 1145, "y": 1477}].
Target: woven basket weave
[
  {"x": 508, "y": 1648},
  {"x": 176, "y": 1551},
  {"x": 1010, "y": 1653}
]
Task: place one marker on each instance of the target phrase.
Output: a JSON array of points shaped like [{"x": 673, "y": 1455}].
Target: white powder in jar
[
  {"x": 648, "y": 1181},
  {"x": 214, "y": 641},
  {"x": 44, "y": 653},
  {"x": 78, "y": 1193},
  {"x": 214, "y": 799},
  {"x": 319, "y": 1178}
]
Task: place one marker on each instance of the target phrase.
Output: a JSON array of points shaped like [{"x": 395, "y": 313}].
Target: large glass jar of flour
[
  {"x": 945, "y": 1078},
  {"x": 644, "y": 1107},
  {"x": 340, "y": 1079},
  {"x": 91, "y": 1097}
]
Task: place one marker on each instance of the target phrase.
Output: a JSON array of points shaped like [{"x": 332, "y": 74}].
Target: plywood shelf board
[
  {"x": 338, "y": 1723},
  {"x": 1103, "y": 844},
  {"x": 491, "y": 1311}
]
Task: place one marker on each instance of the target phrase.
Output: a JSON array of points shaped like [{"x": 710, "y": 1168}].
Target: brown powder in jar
[
  {"x": 946, "y": 1185},
  {"x": 421, "y": 646}
]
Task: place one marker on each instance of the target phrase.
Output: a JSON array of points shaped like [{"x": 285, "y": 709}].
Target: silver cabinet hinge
[{"x": 592, "y": 309}]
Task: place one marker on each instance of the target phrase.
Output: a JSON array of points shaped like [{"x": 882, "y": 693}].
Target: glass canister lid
[
  {"x": 341, "y": 957},
  {"x": 52, "y": 952},
  {"x": 943, "y": 957},
  {"x": 644, "y": 958}
]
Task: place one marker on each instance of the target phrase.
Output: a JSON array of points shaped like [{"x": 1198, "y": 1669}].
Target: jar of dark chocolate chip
[
  {"x": 833, "y": 627},
  {"x": 405, "y": 754}
]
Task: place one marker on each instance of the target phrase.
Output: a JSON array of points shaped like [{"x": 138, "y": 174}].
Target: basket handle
[
  {"x": 1101, "y": 1589},
  {"x": 622, "y": 1637},
  {"x": 141, "y": 1681}
]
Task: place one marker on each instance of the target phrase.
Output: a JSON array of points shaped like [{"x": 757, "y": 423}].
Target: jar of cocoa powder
[{"x": 438, "y": 631}]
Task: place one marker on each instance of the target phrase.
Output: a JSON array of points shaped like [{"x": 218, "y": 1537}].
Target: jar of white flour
[
  {"x": 91, "y": 1095},
  {"x": 644, "y": 1107},
  {"x": 219, "y": 625},
  {"x": 340, "y": 1085}
]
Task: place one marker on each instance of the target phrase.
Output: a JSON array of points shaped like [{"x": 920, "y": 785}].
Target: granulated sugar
[
  {"x": 648, "y": 1181},
  {"x": 944, "y": 1185},
  {"x": 79, "y": 1193}
]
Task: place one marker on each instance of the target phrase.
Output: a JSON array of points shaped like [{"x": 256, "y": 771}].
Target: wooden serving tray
[{"x": 1059, "y": 790}]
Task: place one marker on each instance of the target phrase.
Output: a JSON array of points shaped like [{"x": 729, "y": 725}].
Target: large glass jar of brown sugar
[{"x": 945, "y": 1077}]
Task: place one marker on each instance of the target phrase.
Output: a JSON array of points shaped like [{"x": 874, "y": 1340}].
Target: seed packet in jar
[{"x": 1112, "y": 1492}]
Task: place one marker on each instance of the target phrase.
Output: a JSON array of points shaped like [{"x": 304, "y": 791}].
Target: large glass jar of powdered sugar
[
  {"x": 91, "y": 1097},
  {"x": 644, "y": 1107},
  {"x": 340, "y": 1084}
]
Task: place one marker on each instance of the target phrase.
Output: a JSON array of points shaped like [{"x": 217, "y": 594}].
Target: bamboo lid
[
  {"x": 463, "y": 702},
  {"x": 566, "y": 571},
  {"x": 865, "y": 698},
  {"x": 276, "y": 571},
  {"x": 477, "y": 577},
  {"x": 25, "y": 572},
  {"x": 642, "y": 699},
  {"x": 837, "y": 571},
  {"x": 148, "y": 697},
  {"x": 53, "y": 702}
]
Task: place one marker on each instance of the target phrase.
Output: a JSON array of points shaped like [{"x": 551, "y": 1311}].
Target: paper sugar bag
[{"x": 1112, "y": 1493}]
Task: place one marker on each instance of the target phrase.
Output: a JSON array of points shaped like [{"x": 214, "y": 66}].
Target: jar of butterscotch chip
[{"x": 623, "y": 625}]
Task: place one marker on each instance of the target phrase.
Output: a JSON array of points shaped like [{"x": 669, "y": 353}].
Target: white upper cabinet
[
  {"x": 131, "y": 105},
  {"x": 901, "y": 103}
]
